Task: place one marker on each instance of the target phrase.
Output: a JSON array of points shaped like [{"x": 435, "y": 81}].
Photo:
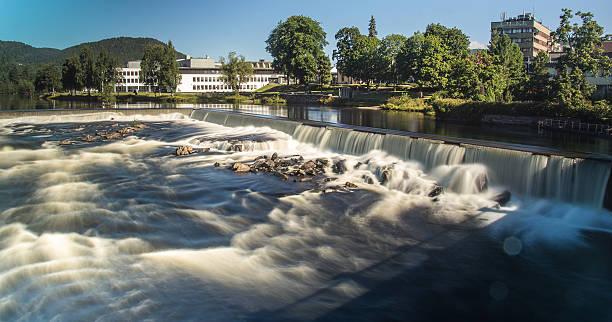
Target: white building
[
  {"x": 200, "y": 75},
  {"x": 129, "y": 79}
]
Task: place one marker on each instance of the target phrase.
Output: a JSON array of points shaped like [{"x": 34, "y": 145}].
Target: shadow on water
[{"x": 475, "y": 279}]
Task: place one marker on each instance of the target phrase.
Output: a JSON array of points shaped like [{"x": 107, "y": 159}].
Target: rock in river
[
  {"x": 184, "y": 150},
  {"x": 241, "y": 167}
]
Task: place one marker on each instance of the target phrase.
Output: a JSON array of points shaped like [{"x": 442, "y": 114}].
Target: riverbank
[{"x": 185, "y": 98}]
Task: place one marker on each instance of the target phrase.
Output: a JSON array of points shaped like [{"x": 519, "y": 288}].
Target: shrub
[
  {"x": 406, "y": 103},
  {"x": 273, "y": 100},
  {"x": 474, "y": 110}
]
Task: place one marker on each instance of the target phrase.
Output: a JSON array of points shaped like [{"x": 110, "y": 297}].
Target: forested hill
[{"x": 122, "y": 48}]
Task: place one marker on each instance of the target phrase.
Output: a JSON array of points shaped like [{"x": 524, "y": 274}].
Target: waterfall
[{"x": 556, "y": 177}]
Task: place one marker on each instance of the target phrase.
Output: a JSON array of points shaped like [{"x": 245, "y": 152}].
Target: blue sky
[{"x": 217, "y": 27}]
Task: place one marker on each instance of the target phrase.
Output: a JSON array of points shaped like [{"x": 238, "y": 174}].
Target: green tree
[
  {"x": 583, "y": 54},
  {"x": 508, "y": 56},
  {"x": 170, "y": 74},
  {"x": 465, "y": 79},
  {"x": 423, "y": 60},
  {"x": 427, "y": 57},
  {"x": 88, "y": 65},
  {"x": 493, "y": 81},
  {"x": 455, "y": 41},
  {"x": 48, "y": 79},
  {"x": 366, "y": 49},
  {"x": 151, "y": 66},
  {"x": 106, "y": 72},
  {"x": 25, "y": 88},
  {"x": 295, "y": 45},
  {"x": 538, "y": 86},
  {"x": 324, "y": 67},
  {"x": 386, "y": 58},
  {"x": 236, "y": 70},
  {"x": 372, "y": 32},
  {"x": 356, "y": 55},
  {"x": 345, "y": 53},
  {"x": 72, "y": 74}
]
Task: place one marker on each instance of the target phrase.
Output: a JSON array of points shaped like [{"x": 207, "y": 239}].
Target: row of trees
[
  {"x": 25, "y": 80},
  {"x": 367, "y": 58},
  {"x": 439, "y": 60},
  {"x": 16, "y": 79},
  {"x": 85, "y": 71}
]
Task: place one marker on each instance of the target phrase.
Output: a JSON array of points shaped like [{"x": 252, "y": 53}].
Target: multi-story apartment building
[
  {"x": 200, "y": 75},
  {"x": 525, "y": 31}
]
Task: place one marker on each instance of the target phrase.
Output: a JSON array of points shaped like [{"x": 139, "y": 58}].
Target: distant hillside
[{"x": 123, "y": 48}]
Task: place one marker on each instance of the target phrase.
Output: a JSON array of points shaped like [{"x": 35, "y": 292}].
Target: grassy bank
[
  {"x": 407, "y": 103},
  {"x": 177, "y": 98}
]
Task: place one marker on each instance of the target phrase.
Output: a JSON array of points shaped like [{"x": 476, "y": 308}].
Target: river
[
  {"x": 396, "y": 120},
  {"x": 121, "y": 229}
]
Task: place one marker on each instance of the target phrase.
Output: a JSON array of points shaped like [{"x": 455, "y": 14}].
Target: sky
[{"x": 214, "y": 28}]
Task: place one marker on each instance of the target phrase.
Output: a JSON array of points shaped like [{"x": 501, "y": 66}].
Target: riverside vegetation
[{"x": 446, "y": 78}]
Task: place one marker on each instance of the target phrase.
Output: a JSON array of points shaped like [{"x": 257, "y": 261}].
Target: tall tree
[
  {"x": 356, "y": 55},
  {"x": 538, "y": 86},
  {"x": 171, "y": 76},
  {"x": 508, "y": 56},
  {"x": 324, "y": 67},
  {"x": 106, "y": 72},
  {"x": 151, "y": 66},
  {"x": 366, "y": 58},
  {"x": 427, "y": 57},
  {"x": 72, "y": 74},
  {"x": 48, "y": 79},
  {"x": 423, "y": 60},
  {"x": 295, "y": 45},
  {"x": 386, "y": 58},
  {"x": 345, "y": 53},
  {"x": 372, "y": 32},
  {"x": 236, "y": 70},
  {"x": 455, "y": 41},
  {"x": 88, "y": 64},
  {"x": 464, "y": 80},
  {"x": 583, "y": 53}
]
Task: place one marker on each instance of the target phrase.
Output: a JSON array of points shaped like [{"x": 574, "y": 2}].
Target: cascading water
[
  {"x": 566, "y": 179},
  {"x": 124, "y": 229}
]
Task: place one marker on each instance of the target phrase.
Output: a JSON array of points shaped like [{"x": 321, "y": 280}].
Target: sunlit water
[
  {"x": 124, "y": 230},
  {"x": 369, "y": 117}
]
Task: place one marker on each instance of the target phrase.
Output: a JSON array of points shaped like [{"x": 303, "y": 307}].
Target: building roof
[{"x": 607, "y": 47}]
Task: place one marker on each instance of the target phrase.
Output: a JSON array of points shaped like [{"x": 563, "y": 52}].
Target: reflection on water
[
  {"x": 417, "y": 122},
  {"x": 122, "y": 230},
  {"x": 396, "y": 120}
]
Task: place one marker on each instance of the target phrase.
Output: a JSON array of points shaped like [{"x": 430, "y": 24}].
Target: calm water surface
[{"x": 396, "y": 120}]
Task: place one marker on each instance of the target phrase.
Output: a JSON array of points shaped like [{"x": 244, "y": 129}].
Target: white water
[
  {"x": 126, "y": 231},
  {"x": 566, "y": 179}
]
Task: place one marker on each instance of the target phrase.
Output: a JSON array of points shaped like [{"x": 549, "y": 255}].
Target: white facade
[
  {"x": 207, "y": 81},
  {"x": 129, "y": 79},
  {"x": 200, "y": 75}
]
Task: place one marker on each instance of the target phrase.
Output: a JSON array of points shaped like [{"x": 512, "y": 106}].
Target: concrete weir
[{"x": 525, "y": 170}]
